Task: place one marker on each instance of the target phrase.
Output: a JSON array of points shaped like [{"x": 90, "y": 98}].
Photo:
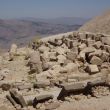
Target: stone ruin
[{"x": 63, "y": 66}]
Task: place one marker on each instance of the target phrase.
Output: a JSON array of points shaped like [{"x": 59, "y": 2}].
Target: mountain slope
[
  {"x": 61, "y": 20},
  {"x": 99, "y": 24}
]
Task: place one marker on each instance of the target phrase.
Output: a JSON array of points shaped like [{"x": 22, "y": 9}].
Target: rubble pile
[{"x": 55, "y": 70}]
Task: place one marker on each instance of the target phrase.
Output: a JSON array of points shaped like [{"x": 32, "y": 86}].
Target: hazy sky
[{"x": 52, "y": 8}]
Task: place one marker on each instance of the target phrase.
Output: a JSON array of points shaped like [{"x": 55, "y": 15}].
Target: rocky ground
[{"x": 64, "y": 72}]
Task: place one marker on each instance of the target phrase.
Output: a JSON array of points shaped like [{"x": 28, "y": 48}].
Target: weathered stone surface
[
  {"x": 88, "y": 50},
  {"x": 97, "y": 82},
  {"x": 12, "y": 101},
  {"x": 72, "y": 88},
  {"x": 91, "y": 69},
  {"x": 26, "y": 86},
  {"x": 82, "y": 46},
  {"x": 42, "y": 98},
  {"x": 105, "y": 56},
  {"x": 97, "y": 44},
  {"x": 61, "y": 59},
  {"x": 52, "y": 56},
  {"x": 71, "y": 67},
  {"x": 96, "y": 60},
  {"x": 18, "y": 98},
  {"x": 60, "y": 51},
  {"x": 43, "y": 48},
  {"x": 71, "y": 55}
]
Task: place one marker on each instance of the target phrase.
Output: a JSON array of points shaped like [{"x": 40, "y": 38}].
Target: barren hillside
[{"x": 99, "y": 24}]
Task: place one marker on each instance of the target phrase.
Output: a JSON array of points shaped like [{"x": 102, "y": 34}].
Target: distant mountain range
[
  {"x": 23, "y": 30},
  {"x": 61, "y": 20}
]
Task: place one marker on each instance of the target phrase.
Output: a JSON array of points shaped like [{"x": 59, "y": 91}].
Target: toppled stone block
[
  {"x": 42, "y": 98},
  {"x": 96, "y": 60},
  {"x": 18, "y": 98},
  {"x": 91, "y": 69},
  {"x": 74, "y": 88}
]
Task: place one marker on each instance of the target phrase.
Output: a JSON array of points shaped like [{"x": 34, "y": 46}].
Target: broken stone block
[
  {"x": 96, "y": 60},
  {"x": 107, "y": 48},
  {"x": 60, "y": 51},
  {"x": 71, "y": 55},
  {"x": 81, "y": 57},
  {"x": 106, "y": 40},
  {"x": 97, "y": 44},
  {"x": 72, "y": 88},
  {"x": 82, "y": 46},
  {"x": 88, "y": 50},
  {"x": 12, "y": 51},
  {"x": 42, "y": 84},
  {"x": 82, "y": 35},
  {"x": 105, "y": 56},
  {"x": 42, "y": 98},
  {"x": 97, "y": 53},
  {"x": 18, "y": 98},
  {"x": 35, "y": 62},
  {"x": 12, "y": 101},
  {"x": 26, "y": 86},
  {"x": 90, "y": 42},
  {"x": 91, "y": 69},
  {"x": 72, "y": 67},
  {"x": 52, "y": 56},
  {"x": 52, "y": 106},
  {"x": 61, "y": 59},
  {"x": 100, "y": 81},
  {"x": 55, "y": 42},
  {"x": 43, "y": 48}
]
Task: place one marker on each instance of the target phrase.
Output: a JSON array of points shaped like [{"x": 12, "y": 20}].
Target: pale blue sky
[{"x": 52, "y": 8}]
